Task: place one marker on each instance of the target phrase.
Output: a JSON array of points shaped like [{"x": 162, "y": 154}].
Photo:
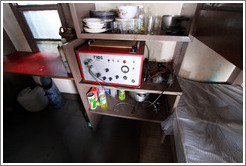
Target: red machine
[{"x": 112, "y": 65}]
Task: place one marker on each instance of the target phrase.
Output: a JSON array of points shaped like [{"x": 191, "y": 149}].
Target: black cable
[
  {"x": 147, "y": 68},
  {"x": 119, "y": 102},
  {"x": 159, "y": 96}
]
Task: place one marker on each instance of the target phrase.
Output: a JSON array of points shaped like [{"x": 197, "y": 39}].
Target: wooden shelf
[
  {"x": 140, "y": 113},
  {"x": 139, "y": 37},
  {"x": 174, "y": 89},
  {"x": 80, "y": 10},
  {"x": 39, "y": 64}
]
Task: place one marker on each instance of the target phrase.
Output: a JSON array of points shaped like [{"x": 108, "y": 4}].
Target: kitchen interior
[{"x": 122, "y": 82}]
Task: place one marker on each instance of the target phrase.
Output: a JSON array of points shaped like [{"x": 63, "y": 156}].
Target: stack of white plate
[{"x": 94, "y": 25}]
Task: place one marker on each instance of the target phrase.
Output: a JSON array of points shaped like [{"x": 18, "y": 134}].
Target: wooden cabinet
[
  {"x": 221, "y": 29},
  {"x": 172, "y": 94}
]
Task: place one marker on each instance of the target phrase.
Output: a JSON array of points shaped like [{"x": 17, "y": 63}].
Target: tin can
[
  {"x": 94, "y": 90},
  {"x": 122, "y": 95},
  {"x": 92, "y": 101}
]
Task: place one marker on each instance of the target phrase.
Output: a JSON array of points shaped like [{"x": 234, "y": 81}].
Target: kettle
[
  {"x": 67, "y": 32},
  {"x": 172, "y": 21}
]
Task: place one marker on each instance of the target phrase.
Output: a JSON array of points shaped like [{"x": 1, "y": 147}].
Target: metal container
[
  {"x": 139, "y": 96},
  {"x": 172, "y": 21}
]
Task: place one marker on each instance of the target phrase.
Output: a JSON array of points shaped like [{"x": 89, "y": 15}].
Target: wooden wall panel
[
  {"x": 222, "y": 31},
  {"x": 69, "y": 50},
  {"x": 8, "y": 46}
]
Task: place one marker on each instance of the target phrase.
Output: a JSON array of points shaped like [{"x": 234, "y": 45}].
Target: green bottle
[
  {"x": 122, "y": 95},
  {"x": 102, "y": 98}
]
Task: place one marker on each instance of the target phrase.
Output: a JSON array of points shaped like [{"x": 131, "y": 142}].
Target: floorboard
[{"x": 62, "y": 136}]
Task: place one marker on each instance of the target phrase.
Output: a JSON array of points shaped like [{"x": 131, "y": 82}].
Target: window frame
[{"x": 18, "y": 12}]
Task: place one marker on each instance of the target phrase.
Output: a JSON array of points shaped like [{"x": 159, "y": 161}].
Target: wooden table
[{"x": 39, "y": 64}]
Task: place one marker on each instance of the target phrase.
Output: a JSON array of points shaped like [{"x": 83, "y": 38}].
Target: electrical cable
[
  {"x": 94, "y": 76},
  {"x": 120, "y": 102},
  {"x": 147, "y": 68},
  {"x": 160, "y": 72},
  {"x": 152, "y": 103}
]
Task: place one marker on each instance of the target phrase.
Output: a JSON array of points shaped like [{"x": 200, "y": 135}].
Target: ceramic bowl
[
  {"x": 93, "y": 21},
  {"x": 96, "y": 26},
  {"x": 100, "y": 30},
  {"x": 127, "y": 12}
]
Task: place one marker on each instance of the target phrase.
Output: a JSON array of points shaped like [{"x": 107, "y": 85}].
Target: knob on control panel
[
  {"x": 116, "y": 76},
  {"x": 106, "y": 69},
  {"x": 125, "y": 77},
  {"x": 104, "y": 78},
  {"x": 98, "y": 74},
  {"x": 110, "y": 78},
  {"x": 125, "y": 69}
]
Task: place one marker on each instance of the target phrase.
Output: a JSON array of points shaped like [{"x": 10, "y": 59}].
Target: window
[
  {"x": 34, "y": 3},
  {"x": 43, "y": 24},
  {"x": 40, "y": 23}
]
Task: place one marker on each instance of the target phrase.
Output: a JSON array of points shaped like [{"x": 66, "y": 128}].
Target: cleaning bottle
[
  {"x": 102, "y": 98},
  {"x": 122, "y": 95}
]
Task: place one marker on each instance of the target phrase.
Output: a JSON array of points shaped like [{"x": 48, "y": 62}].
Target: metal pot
[
  {"x": 172, "y": 21},
  {"x": 139, "y": 96}
]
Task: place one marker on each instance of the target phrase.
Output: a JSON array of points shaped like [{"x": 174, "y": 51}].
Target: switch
[
  {"x": 124, "y": 61},
  {"x": 134, "y": 49},
  {"x": 98, "y": 74},
  {"x": 116, "y": 76},
  {"x": 106, "y": 69},
  {"x": 104, "y": 78},
  {"x": 125, "y": 77},
  {"x": 110, "y": 78}
]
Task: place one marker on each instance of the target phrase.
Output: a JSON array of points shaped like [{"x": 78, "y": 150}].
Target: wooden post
[{"x": 68, "y": 49}]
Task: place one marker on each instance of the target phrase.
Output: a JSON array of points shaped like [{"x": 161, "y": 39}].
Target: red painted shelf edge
[{"x": 40, "y": 64}]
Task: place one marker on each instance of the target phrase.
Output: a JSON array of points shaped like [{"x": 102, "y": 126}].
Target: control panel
[{"x": 119, "y": 67}]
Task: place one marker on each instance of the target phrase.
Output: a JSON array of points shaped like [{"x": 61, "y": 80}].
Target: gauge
[{"x": 125, "y": 69}]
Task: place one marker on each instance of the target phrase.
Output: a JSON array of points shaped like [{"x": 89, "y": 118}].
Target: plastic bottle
[
  {"x": 122, "y": 95},
  {"x": 113, "y": 92},
  {"x": 102, "y": 97},
  {"x": 141, "y": 20}
]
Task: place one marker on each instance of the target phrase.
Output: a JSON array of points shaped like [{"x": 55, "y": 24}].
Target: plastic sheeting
[{"x": 208, "y": 123}]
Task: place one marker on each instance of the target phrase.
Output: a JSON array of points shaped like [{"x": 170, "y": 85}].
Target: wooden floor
[
  {"x": 62, "y": 136},
  {"x": 151, "y": 149}
]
